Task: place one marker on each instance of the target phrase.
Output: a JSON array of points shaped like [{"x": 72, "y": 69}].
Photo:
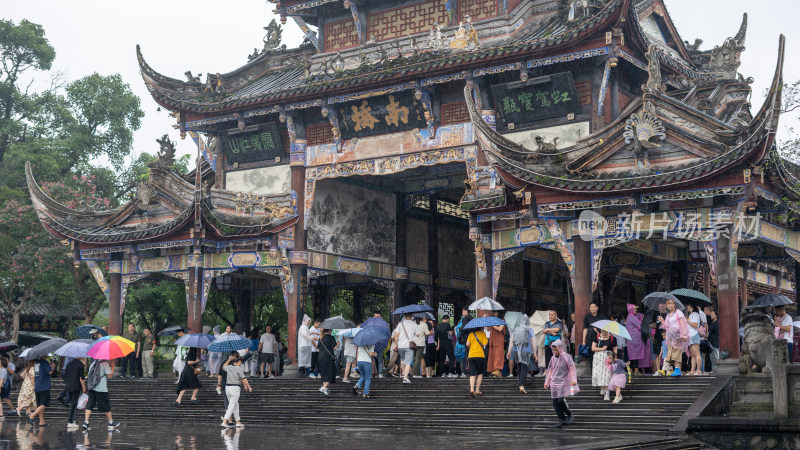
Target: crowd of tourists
[{"x": 664, "y": 341}]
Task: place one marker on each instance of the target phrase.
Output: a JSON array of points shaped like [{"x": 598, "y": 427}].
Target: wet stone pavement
[{"x": 17, "y": 434}]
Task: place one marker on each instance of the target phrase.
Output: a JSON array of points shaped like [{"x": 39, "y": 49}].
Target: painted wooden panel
[{"x": 417, "y": 244}]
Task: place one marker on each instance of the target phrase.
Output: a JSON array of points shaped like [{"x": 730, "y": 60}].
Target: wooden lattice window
[
  {"x": 476, "y": 9},
  {"x": 454, "y": 113},
  {"x": 340, "y": 35},
  {"x": 408, "y": 19},
  {"x": 584, "y": 90},
  {"x": 320, "y": 134}
]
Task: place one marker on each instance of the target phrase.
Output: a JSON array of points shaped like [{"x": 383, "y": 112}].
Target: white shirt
[
  {"x": 315, "y": 333},
  {"x": 422, "y": 331},
  {"x": 267, "y": 343},
  {"x": 406, "y": 330},
  {"x": 788, "y": 335},
  {"x": 363, "y": 353},
  {"x": 349, "y": 348},
  {"x": 694, "y": 318},
  {"x": 304, "y": 337}
]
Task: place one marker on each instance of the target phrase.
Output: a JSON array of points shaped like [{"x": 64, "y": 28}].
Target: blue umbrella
[
  {"x": 86, "y": 331},
  {"x": 371, "y": 336},
  {"x": 76, "y": 348},
  {"x": 482, "y": 322},
  {"x": 227, "y": 343},
  {"x": 196, "y": 340},
  {"x": 377, "y": 322},
  {"x": 424, "y": 315},
  {"x": 411, "y": 309}
]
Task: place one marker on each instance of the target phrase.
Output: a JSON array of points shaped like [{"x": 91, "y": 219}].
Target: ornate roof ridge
[
  {"x": 748, "y": 138},
  {"x": 585, "y": 28}
]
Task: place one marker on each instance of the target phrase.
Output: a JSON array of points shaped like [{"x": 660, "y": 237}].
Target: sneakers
[
  {"x": 239, "y": 425},
  {"x": 345, "y": 380},
  {"x": 560, "y": 424},
  {"x": 617, "y": 399},
  {"x": 355, "y": 390},
  {"x": 606, "y": 397},
  {"x": 570, "y": 419},
  {"x": 325, "y": 392},
  {"x": 676, "y": 372},
  {"x": 113, "y": 425},
  {"x": 406, "y": 381},
  {"x": 85, "y": 425},
  {"x": 73, "y": 426},
  {"x": 417, "y": 376},
  {"x": 380, "y": 375},
  {"x": 12, "y": 413}
]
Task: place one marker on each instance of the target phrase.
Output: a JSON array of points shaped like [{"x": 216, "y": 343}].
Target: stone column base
[
  {"x": 290, "y": 371},
  {"x": 728, "y": 366}
]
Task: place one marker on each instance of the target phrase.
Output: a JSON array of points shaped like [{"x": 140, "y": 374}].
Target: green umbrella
[{"x": 692, "y": 297}]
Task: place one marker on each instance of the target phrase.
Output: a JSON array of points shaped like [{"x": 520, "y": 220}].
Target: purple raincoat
[{"x": 637, "y": 350}]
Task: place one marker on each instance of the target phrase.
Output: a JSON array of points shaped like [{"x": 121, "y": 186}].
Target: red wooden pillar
[
  {"x": 728, "y": 296},
  {"x": 582, "y": 286},
  {"x": 483, "y": 287},
  {"x": 295, "y": 305},
  {"x": 194, "y": 308},
  {"x": 115, "y": 299}
]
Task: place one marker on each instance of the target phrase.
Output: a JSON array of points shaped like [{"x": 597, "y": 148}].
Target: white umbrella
[
  {"x": 485, "y": 303},
  {"x": 538, "y": 319},
  {"x": 25, "y": 352},
  {"x": 513, "y": 319}
]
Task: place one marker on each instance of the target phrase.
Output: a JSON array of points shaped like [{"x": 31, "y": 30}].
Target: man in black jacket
[
  {"x": 713, "y": 336},
  {"x": 74, "y": 384},
  {"x": 444, "y": 347}
]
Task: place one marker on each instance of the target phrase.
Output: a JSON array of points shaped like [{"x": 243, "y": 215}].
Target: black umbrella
[
  {"x": 169, "y": 331},
  {"x": 654, "y": 299},
  {"x": 337, "y": 323},
  {"x": 772, "y": 300},
  {"x": 8, "y": 346},
  {"x": 48, "y": 346}
]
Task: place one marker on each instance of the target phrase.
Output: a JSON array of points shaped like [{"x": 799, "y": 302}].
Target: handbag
[
  {"x": 411, "y": 344},
  {"x": 702, "y": 330},
  {"x": 584, "y": 350},
  {"x": 82, "y": 401}
]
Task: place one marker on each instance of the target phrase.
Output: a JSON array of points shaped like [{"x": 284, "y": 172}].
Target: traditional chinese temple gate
[{"x": 443, "y": 151}]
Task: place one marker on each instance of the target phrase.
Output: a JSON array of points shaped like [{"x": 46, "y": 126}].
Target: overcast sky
[{"x": 216, "y": 36}]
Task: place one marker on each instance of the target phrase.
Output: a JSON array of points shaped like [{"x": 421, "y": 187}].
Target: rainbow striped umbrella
[
  {"x": 613, "y": 328},
  {"x": 111, "y": 347}
]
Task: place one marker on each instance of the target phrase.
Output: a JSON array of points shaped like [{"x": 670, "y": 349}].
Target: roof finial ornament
[
  {"x": 166, "y": 154},
  {"x": 725, "y": 58},
  {"x": 273, "y": 37}
]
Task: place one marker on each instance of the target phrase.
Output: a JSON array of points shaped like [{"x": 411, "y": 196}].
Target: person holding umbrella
[
  {"x": 188, "y": 379},
  {"x": 677, "y": 335},
  {"x": 327, "y": 369},
  {"x": 784, "y": 328},
  {"x": 97, "y": 384},
  {"x": 562, "y": 380},
  {"x": 365, "y": 342},
  {"x": 75, "y": 384},
  {"x": 41, "y": 388}
]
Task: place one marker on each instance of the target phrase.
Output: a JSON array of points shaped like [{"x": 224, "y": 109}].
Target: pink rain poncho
[
  {"x": 677, "y": 331},
  {"x": 637, "y": 350},
  {"x": 561, "y": 373}
]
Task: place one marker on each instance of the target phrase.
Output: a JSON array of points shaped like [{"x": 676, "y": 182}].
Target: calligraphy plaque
[
  {"x": 261, "y": 143},
  {"x": 395, "y": 112},
  {"x": 536, "y": 99}
]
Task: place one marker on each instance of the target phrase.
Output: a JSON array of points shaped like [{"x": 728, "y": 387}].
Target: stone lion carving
[{"x": 757, "y": 352}]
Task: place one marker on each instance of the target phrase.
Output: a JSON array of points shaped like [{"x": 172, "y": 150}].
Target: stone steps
[{"x": 651, "y": 405}]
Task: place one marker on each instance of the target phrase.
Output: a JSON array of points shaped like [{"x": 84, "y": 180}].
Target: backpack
[
  {"x": 94, "y": 377},
  {"x": 462, "y": 337}
]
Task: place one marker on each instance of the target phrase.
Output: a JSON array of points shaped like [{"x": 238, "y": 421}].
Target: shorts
[
  {"x": 674, "y": 355},
  {"x": 5, "y": 393},
  {"x": 267, "y": 358},
  {"x": 406, "y": 356},
  {"x": 43, "y": 398},
  {"x": 101, "y": 400},
  {"x": 349, "y": 359},
  {"x": 694, "y": 339},
  {"x": 477, "y": 366}
]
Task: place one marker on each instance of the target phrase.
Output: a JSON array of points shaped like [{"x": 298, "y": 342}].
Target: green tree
[
  {"x": 23, "y": 48},
  {"x": 156, "y": 304}
]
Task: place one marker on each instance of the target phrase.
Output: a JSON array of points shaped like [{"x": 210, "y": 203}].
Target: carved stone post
[{"x": 780, "y": 386}]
